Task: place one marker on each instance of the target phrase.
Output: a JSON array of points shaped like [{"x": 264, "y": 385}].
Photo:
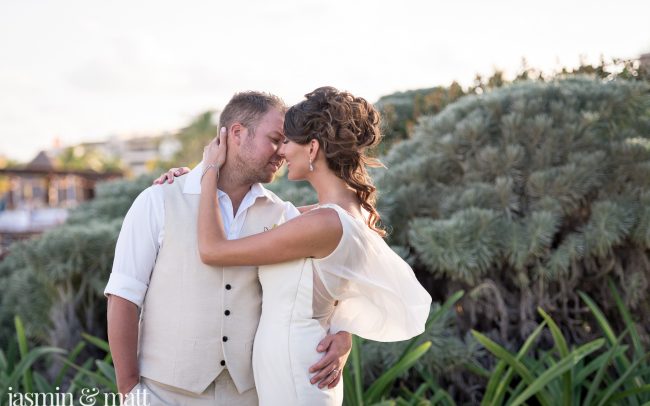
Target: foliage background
[{"x": 519, "y": 193}]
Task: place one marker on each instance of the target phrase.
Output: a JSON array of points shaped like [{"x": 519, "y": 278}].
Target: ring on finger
[{"x": 334, "y": 374}]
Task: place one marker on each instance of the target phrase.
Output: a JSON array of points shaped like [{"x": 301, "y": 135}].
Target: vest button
[
  {"x": 225, "y": 339},
  {"x": 227, "y": 312},
  {"x": 228, "y": 287},
  {"x": 223, "y": 362}
]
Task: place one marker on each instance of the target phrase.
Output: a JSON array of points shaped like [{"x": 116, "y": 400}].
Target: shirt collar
[{"x": 193, "y": 185}]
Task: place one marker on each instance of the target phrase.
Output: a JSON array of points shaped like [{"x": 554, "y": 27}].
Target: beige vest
[{"x": 185, "y": 333}]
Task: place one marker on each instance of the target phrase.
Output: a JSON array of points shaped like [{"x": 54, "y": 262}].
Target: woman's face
[{"x": 297, "y": 158}]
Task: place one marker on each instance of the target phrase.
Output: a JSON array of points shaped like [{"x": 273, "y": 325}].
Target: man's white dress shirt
[{"x": 143, "y": 233}]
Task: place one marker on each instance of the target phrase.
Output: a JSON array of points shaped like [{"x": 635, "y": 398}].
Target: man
[{"x": 197, "y": 323}]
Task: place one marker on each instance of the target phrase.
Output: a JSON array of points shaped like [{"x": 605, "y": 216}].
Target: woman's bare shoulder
[{"x": 323, "y": 217}]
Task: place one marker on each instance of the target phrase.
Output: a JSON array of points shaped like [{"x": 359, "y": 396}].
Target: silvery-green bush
[{"x": 525, "y": 194}]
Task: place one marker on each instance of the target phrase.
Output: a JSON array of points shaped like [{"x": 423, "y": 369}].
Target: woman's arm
[{"x": 314, "y": 234}]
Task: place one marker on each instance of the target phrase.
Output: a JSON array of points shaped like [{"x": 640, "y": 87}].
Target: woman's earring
[{"x": 311, "y": 167}]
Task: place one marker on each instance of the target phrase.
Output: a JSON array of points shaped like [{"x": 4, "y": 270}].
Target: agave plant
[
  {"x": 16, "y": 364},
  {"x": 598, "y": 372},
  {"x": 19, "y": 372}
]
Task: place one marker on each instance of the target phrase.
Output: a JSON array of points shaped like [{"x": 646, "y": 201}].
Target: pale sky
[{"x": 82, "y": 70}]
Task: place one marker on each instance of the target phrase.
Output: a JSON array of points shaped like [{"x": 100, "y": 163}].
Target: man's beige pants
[{"x": 220, "y": 392}]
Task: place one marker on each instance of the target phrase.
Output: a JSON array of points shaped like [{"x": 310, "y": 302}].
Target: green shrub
[
  {"x": 598, "y": 372},
  {"x": 359, "y": 392},
  {"x": 19, "y": 375},
  {"x": 525, "y": 194},
  {"x": 449, "y": 355},
  {"x": 55, "y": 282}
]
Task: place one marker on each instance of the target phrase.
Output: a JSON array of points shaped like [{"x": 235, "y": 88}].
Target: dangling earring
[{"x": 311, "y": 167}]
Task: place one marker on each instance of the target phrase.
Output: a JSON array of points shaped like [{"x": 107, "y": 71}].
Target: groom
[{"x": 181, "y": 332}]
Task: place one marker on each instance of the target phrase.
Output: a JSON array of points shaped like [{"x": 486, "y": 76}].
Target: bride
[{"x": 327, "y": 270}]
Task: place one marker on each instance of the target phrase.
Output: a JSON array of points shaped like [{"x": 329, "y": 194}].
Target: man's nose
[{"x": 280, "y": 150}]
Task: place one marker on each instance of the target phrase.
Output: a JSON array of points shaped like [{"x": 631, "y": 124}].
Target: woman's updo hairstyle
[{"x": 345, "y": 126}]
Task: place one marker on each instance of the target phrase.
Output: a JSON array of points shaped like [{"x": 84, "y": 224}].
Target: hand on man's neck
[{"x": 231, "y": 184}]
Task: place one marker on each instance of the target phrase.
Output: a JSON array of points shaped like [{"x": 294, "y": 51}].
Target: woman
[{"x": 328, "y": 269}]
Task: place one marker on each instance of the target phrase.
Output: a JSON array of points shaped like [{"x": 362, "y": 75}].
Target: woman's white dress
[{"x": 362, "y": 287}]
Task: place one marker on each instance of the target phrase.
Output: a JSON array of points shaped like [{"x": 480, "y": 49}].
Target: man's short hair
[{"x": 248, "y": 108}]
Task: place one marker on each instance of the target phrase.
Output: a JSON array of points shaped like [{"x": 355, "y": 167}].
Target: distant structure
[
  {"x": 38, "y": 196},
  {"x": 644, "y": 61},
  {"x": 136, "y": 152}
]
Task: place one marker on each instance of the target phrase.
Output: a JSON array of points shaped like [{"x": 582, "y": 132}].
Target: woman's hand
[
  {"x": 215, "y": 152},
  {"x": 170, "y": 174}
]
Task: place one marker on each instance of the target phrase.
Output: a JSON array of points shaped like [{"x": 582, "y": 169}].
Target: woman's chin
[{"x": 291, "y": 176}]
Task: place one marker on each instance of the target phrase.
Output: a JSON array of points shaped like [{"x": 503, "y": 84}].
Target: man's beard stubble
[{"x": 247, "y": 175}]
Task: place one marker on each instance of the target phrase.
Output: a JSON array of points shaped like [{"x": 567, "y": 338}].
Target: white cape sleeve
[{"x": 379, "y": 296}]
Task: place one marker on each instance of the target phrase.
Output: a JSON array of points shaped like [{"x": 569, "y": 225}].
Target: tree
[
  {"x": 81, "y": 158},
  {"x": 194, "y": 137},
  {"x": 400, "y": 111},
  {"x": 524, "y": 195}
]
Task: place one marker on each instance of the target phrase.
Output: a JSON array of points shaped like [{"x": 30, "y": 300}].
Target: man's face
[{"x": 259, "y": 159}]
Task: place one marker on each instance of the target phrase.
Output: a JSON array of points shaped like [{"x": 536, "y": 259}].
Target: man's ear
[{"x": 236, "y": 132}]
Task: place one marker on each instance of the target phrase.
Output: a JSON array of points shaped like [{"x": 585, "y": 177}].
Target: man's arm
[
  {"x": 329, "y": 369},
  {"x": 123, "y": 340},
  {"x": 135, "y": 256}
]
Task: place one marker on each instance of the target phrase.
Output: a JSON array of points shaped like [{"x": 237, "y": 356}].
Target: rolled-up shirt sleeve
[{"x": 137, "y": 247}]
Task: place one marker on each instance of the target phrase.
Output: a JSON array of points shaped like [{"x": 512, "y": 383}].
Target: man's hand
[
  {"x": 127, "y": 386},
  {"x": 330, "y": 368}
]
